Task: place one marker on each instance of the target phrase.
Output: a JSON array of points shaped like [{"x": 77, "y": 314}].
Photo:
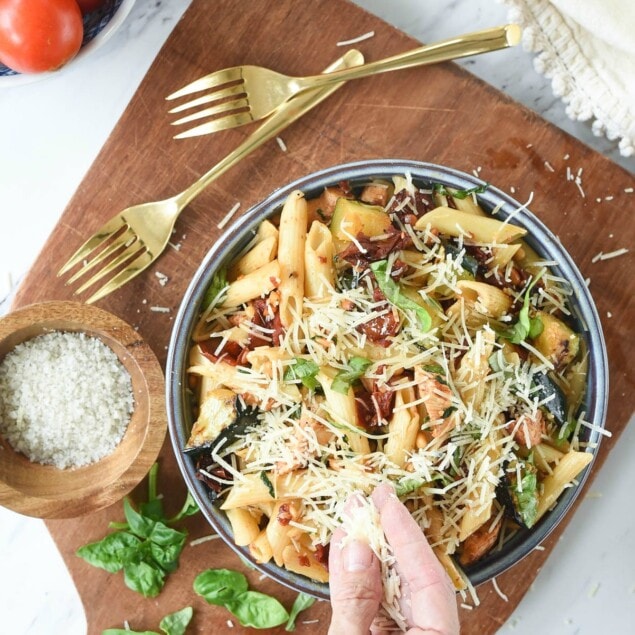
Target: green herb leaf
[
  {"x": 139, "y": 524},
  {"x": 408, "y": 484},
  {"x": 216, "y": 291},
  {"x": 109, "y": 553},
  {"x": 153, "y": 508},
  {"x": 219, "y": 586},
  {"x": 302, "y": 602},
  {"x": 143, "y": 577},
  {"x": 176, "y": 623},
  {"x": 258, "y": 610},
  {"x": 526, "y": 500},
  {"x": 125, "y": 631},
  {"x": 346, "y": 377},
  {"x": 190, "y": 507},
  {"x": 393, "y": 294},
  {"x": 525, "y": 326},
  {"x": 438, "y": 188},
  {"x": 265, "y": 479},
  {"x": 304, "y": 370}
]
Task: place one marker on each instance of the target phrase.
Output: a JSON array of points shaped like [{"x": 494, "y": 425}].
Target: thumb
[{"x": 355, "y": 583}]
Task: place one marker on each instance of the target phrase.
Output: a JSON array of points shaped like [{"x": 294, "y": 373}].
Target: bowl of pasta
[{"x": 386, "y": 322}]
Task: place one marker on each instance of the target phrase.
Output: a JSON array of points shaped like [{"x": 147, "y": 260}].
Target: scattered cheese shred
[
  {"x": 228, "y": 216},
  {"x": 355, "y": 40}
]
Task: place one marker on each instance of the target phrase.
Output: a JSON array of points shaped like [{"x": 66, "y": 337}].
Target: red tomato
[
  {"x": 39, "y": 35},
  {"x": 89, "y": 5}
]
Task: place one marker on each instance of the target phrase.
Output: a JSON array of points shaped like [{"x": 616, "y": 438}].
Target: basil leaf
[
  {"x": 190, "y": 507},
  {"x": 144, "y": 578},
  {"x": 109, "y": 552},
  {"x": 219, "y": 586},
  {"x": 527, "y": 499},
  {"x": 393, "y": 294},
  {"x": 125, "y": 631},
  {"x": 258, "y": 610},
  {"x": 346, "y": 377},
  {"x": 301, "y": 603},
  {"x": 153, "y": 508},
  {"x": 408, "y": 484},
  {"x": 305, "y": 370},
  {"x": 216, "y": 291},
  {"x": 438, "y": 188},
  {"x": 176, "y": 623},
  {"x": 265, "y": 479},
  {"x": 139, "y": 524},
  {"x": 525, "y": 326}
]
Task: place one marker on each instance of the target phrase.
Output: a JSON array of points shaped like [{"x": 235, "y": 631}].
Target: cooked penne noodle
[
  {"x": 470, "y": 226},
  {"x": 244, "y": 526},
  {"x": 303, "y": 561},
  {"x": 260, "y": 549},
  {"x": 254, "y": 285},
  {"x": 319, "y": 277},
  {"x": 278, "y": 528},
  {"x": 570, "y": 465},
  {"x": 293, "y": 222},
  {"x": 402, "y": 428},
  {"x": 258, "y": 256}
]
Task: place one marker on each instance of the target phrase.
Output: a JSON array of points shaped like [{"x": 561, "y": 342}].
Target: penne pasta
[
  {"x": 319, "y": 277},
  {"x": 244, "y": 526},
  {"x": 255, "y": 284},
  {"x": 293, "y": 222}
]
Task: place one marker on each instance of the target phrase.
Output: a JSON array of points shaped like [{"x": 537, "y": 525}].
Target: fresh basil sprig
[
  {"x": 526, "y": 326},
  {"x": 346, "y": 377},
  {"x": 224, "y": 587},
  {"x": 144, "y": 547},
  {"x": 301, "y": 603},
  {"x": 305, "y": 370},
  {"x": 438, "y": 188},
  {"x": 393, "y": 294},
  {"x": 172, "y": 624},
  {"x": 216, "y": 291}
]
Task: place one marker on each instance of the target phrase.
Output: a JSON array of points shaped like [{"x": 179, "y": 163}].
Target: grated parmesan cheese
[
  {"x": 355, "y": 40},
  {"x": 65, "y": 399}
]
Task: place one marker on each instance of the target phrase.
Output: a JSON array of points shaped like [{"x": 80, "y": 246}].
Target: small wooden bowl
[{"x": 45, "y": 491}]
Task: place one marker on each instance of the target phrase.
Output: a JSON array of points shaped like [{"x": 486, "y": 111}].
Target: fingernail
[{"x": 357, "y": 556}]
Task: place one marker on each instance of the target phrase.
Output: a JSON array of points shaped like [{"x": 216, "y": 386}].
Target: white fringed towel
[{"x": 587, "y": 49}]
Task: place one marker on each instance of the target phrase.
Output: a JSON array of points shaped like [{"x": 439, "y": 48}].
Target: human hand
[{"x": 427, "y": 596}]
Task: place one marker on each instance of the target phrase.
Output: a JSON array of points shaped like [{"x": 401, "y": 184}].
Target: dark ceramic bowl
[{"x": 539, "y": 237}]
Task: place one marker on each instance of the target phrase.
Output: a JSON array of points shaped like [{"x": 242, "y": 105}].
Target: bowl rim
[{"x": 236, "y": 236}]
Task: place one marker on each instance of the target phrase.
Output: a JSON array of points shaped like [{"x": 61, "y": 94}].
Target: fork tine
[
  {"x": 214, "y": 110},
  {"x": 139, "y": 264},
  {"x": 232, "y": 91},
  {"x": 122, "y": 240},
  {"x": 101, "y": 235},
  {"x": 230, "y": 121},
  {"x": 209, "y": 81},
  {"x": 116, "y": 262}
]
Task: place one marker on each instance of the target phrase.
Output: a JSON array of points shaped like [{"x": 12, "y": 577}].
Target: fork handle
[
  {"x": 282, "y": 118},
  {"x": 462, "y": 46}
]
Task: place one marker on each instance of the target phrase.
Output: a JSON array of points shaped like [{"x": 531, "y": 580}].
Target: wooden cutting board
[{"x": 440, "y": 114}]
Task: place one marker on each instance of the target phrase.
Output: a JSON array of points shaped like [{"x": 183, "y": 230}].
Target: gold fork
[
  {"x": 256, "y": 91},
  {"x": 136, "y": 236}
]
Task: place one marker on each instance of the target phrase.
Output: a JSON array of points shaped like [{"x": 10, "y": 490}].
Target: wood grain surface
[{"x": 440, "y": 114}]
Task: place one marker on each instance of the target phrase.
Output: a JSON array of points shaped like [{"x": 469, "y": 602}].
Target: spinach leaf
[
  {"x": 393, "y": 294},
  {"x": 265, "y": 479},
  {"x": 216, "y": 291},
  {"x": 438, "y": 188},
  {"x": 230, "y": 589},
  {"x": 219, "y": 586},
  {"x": 305, "y": 370},
  {"x": 144, "y": 546},
  {"x": 109, "y": 553},
  {"x": 258, "y": 610},
  {"x": 301, "y": 603},
  {"x": 526, "y": 326},
  {"x": 346, "y": 377},
  {"x": 176, "y": 623},
  {"x": 173, "y": 624}
]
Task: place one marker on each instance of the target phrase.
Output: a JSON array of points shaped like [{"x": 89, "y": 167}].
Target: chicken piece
[
  {"x": 438, "y": 400},
  {"x": 322, "y": 207},
  {"x": 300, "y": 445},
  {"x": 376, "y": 194},
  {"x": 476, "y": 545},
  {"x": 528, "y": 429}
]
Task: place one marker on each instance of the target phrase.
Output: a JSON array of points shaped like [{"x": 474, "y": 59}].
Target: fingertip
[{"x": 383, "y": 494}]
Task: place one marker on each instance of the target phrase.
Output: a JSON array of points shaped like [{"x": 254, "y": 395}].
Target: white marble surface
[{"x": 52, "y": 131}]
